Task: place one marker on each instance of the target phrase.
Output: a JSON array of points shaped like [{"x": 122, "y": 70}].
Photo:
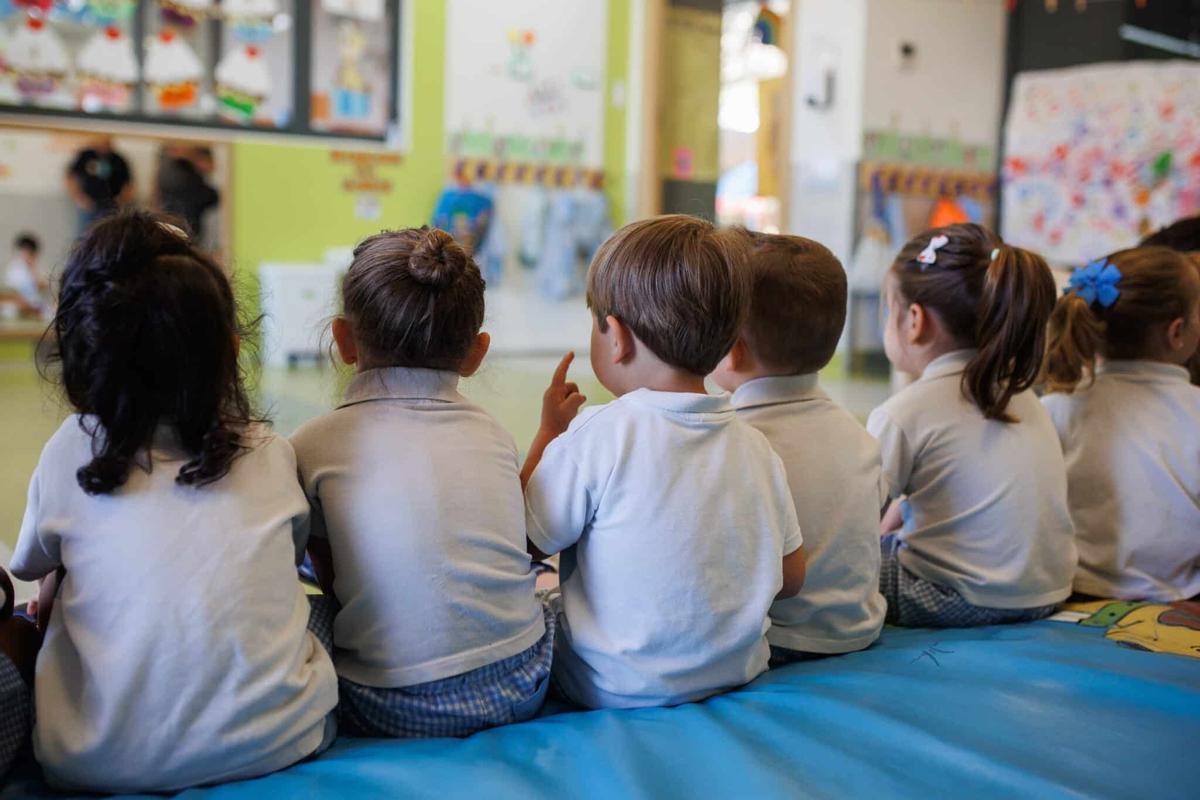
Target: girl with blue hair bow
[{"x": 1128, "y": 418}]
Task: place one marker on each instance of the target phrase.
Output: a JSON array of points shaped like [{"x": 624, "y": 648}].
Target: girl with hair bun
[
  {"x": 983, "y": 534},
  {"x": 1129, "y": 421},
  {"x": 418, "y": 516},
  {"x": 176, "y": 653}
]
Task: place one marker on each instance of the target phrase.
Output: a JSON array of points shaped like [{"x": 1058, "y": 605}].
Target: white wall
[
  {"x": 827, "y": 142},
  {"x": 954, "y": 86}
]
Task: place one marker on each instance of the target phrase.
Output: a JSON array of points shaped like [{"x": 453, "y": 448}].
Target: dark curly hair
[{"x": 148, "y": 334}]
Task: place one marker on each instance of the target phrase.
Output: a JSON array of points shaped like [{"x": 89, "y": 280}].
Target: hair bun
[{"x": 437, "y": 260}]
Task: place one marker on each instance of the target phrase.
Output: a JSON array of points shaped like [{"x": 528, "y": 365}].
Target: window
[{"x": 304, "y": 67}]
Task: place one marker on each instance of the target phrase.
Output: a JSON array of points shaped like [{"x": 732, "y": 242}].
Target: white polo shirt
[
  {"x": 419, "y": 493},
  {"x": 836, "y": 482},
  {"x": 678, "y": 517},
  {"x": 986, "y": 513},
  {"x": 1132, "y": 444},
  {"x": 177, "y": 653}
]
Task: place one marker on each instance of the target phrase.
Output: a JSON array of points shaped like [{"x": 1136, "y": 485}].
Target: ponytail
[
  {"x": 1076, "y": 336},
  {"x": 988, "y": 296},
  {"x": 1015, "y": 303},
  {"x": 1150, "y": 287}
]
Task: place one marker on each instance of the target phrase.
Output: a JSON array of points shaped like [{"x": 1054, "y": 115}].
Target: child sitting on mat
[
  {"x": 418, "y": 517},
  {"x": 797, "y": 311},
  {"x": 984, "y": 533},
  {"x": 674, "y": 517},
  {"x": 176, "y": 653},
  {"x": 1129, "y": 421}
]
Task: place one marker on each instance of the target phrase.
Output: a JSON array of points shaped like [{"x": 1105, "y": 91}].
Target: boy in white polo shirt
[
  {"x": 797, "y": 310},
  {"x": 674, "y": 517}
]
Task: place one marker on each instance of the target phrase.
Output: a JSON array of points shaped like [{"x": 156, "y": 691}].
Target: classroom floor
[{"x": 509, "y": 387}]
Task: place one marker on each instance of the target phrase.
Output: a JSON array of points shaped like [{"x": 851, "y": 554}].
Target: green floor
[{"x": 510, "y": 388}]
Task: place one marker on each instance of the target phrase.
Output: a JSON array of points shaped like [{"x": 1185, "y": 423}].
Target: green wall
[{"x": 288, "y": 202}]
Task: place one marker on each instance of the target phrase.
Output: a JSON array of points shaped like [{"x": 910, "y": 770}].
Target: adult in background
[
  {"x": 184, "y": 190},
  {"x": 99, "y": 181}
]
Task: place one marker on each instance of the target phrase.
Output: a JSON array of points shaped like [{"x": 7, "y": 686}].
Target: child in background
[
  {"x": 24, "y": 278},
  {"x": 1129, "y": 421},
  {"x": 986, "y": 535},
  {"x": 797, "y": 312},
  {"x": 674, "y": 517},
  {"x": 1182, "y": 236},
  {"x": 176, "y": 653},
  {"x": 418, "y": 517}
]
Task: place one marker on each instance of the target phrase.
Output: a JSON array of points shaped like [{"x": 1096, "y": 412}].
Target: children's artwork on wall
[
  {"x": 250, "y": 20},
  {"x": 107, "y": 71},
  {"x": 365, "y": 10},
  {"x": 173, "y": 72},
  {"x": 184, "y": 13},
  {"x": 351, "y": 77},
  {"x": 243, "y": 83},
  {"x": 522, "y": 84},
  {"x": 37, "y": 59},
  {"x": 109, "y": 12},
  {"x": 1099, "y": 156},
  {"x": 352, "y": 92}
]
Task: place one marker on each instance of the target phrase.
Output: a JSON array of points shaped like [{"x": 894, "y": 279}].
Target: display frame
[{"x": 300, "y": 125}]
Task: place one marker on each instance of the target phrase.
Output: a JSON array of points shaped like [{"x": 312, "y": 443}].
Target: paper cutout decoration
[
  {"x": 243, "y": 83},
  {"x": 184, "y": 13},
  {"x": 107, "y": 71},
  {"x": 173, "y": 72},
  {"x": 251, "y": 21},
  {"x": 351, "y": 93},
  {"x": 110, "y": 12},
  {"x": 39, "y": 7},
  {"x": 365, "y": 10},
  {"x": 37, "y": 59}
]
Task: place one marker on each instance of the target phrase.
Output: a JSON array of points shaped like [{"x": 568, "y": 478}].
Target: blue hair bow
[{"x": 1096, "y": 283}]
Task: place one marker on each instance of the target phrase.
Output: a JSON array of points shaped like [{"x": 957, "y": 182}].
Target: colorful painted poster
[
  {"x": 1096, "y": 157},
  {"x": 525, "y": 80}
]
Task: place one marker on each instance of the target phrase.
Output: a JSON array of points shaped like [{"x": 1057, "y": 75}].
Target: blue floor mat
[{"x": 1044, "y": 710}]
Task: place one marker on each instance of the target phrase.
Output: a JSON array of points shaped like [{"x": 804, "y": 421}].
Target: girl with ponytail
[
  {"x": 983, "y": 535},
  {"x": 418, "y": 516},
  {"x": 1128, "y": 416},
  {"x": 169, "y": 519}
]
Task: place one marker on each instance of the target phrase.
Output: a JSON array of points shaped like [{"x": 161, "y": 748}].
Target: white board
[{"x": 525, "y": 80}]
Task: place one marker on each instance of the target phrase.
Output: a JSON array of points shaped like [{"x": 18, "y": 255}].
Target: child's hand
[
  {"x": 562, "y": 400},
  {"x": 893, "y": 518}
]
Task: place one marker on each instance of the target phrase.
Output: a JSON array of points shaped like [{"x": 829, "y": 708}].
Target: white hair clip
[
  {"x": 929, "y": 254},
  {"x": 174, "y": 230}
]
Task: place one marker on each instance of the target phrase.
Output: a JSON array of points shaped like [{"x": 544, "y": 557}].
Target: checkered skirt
[{"x": 917, "y": 603}]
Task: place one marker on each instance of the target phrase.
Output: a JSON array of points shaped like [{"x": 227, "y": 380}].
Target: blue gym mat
[{"x": 1044, "y": 710}]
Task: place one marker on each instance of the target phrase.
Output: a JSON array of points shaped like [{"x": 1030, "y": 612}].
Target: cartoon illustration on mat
[{"x": 1159, "y": 628}]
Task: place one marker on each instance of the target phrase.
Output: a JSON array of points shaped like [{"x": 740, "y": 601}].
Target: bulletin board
[
  {"x": 1099, "y": 156},
  {"x": 522, "y": 85}
]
